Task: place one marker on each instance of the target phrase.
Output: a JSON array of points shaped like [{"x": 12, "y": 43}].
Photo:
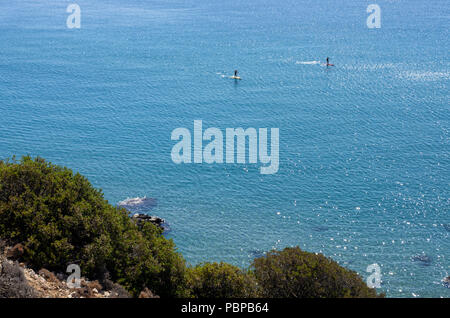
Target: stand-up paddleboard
[{"x": 235, "y": 77}]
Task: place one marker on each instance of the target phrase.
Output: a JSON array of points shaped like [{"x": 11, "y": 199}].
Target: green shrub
[
  {"x": 61, "y": 219},
  {"x": 221, "y": 280},
  {"x": 293, "y": 273}
]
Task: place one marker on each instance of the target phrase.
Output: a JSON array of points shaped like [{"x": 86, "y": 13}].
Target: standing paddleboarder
[{"x": 328, "y": 62}]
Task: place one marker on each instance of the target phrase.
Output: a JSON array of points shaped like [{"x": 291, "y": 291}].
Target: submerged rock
[
  {"x": 446, "y": 282},
  {"x": 138, "y": 203},
  {"x": 320, "y": 228},
  {"x": 423, "y": 259}
]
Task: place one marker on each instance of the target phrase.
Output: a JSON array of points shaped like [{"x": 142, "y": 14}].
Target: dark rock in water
[
  {"x": 422, "y": 259},
  {"x": 141, "y": 218},
  {"x": 446, "y": 282},
  {"x": 320, "y": 228}
]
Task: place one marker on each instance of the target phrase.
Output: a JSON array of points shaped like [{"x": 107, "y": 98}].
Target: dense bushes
[
  {"x": 290, "y": 273},
  {"x": 293, "y": 273},
  {"x": 61, "y": 219},
  {"x": 221, "y": 280}
]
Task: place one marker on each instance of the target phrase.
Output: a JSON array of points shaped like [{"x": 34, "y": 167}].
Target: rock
[
  {"x": 15, "y": 252},
  {"x": 423, "y": 259},
  {"x": 114, "y": 290},
  {"x": 139, "y": 204},
  {"x": 49, "y": 276},
  {"x": 95, "y": 286},
  {"x": 320, "y": 228},
  {"x": 446, "y": 282},
  {"x": 13, "y": 282},
  {"x": 141, "y": 218},
  {"x": 16, "y": 280},
  {"x": 146, "y": 293}
]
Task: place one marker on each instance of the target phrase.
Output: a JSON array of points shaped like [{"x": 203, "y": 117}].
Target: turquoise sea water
[{"x": 364, "y": 146}]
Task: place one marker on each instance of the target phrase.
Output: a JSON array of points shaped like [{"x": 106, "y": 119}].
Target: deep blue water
[{"x": 364, "y": 146}]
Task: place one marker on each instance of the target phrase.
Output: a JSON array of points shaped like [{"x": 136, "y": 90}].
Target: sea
[{"x": 364, "y": 145}]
